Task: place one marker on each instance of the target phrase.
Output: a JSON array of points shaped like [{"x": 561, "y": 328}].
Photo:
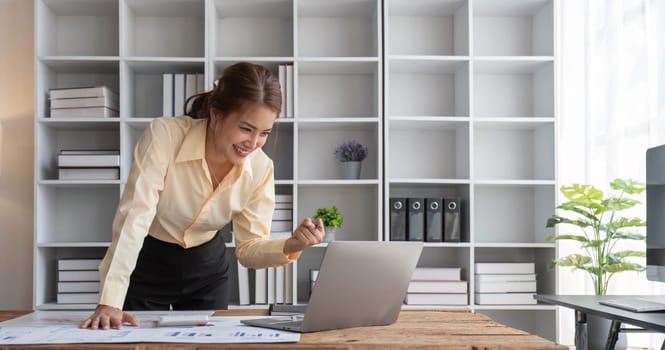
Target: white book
[
  {"x": 437, "y": 273},
  {"x": 282, "y": 214},
  {"x": 79, "y": 264},
  {"x": 436, "y": 299},
  {"x": 77, "y": 298},
  {"x": 284, "y": 198},
  {"x": 281, "y": 226},
  {"x": 505, "y": 298},
  {"x": 506, "y": 287},
  {"x": 271, "y": 285},
  {"x": 279, "y": 284},
  {"x": 243, "y": 284},
  {"x": 514, "y": 277},
  {"x": 505, "y": 268},
  {"x": 79, "y": 92},
  {"x": 200, "y": 83},
  {"x": 100, "y": 101},
  {"x": 282, "y": 84},
  {"x": 79, "y": 275},
  {"x": 190, "y": 86},
  {"x": 90, "y": 151},
  {"x": 78, "y": 287},
  {"x": 84, "y": 112},
  {"x": 167, "y": 94},
  {"x": 289, "y": 91},
  {"x": 260, "y": 286},
  {"x": 89, "y": 173},
  {"x": 287, "y": 205},
  {"x": 84, "y": 161},
  {"x": 288, "y": 284},
  {"x": 178, "y": 93},
  {"x": 438, "y": 287}
]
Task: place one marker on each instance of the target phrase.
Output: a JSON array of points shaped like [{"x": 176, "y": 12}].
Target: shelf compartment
[
  {"x": 77, "y": 28},
  {"x": 541, "y": 322},
  {"x": 358, "y": 204},
  {"x": 266, "y": 28},
  {"x": 446, "y": 257},
  {"x": 423, "y": 87},
  {"x": 53, "y": 137},
  {"x": 318, "y": 141},
  {"x": 426, "y": 27},
  {"x": 46, "y": 270},
  {"x": 154, "y": 28},
  {"x": 338, "y": 29},
  {"x": 279, "y": 147},
  {"x": 513, "y": 214},
  {"x": 515, "y": 28},
  {"x": 519, "y": 88},
  {"x": 310, "y": 259},
  {"x": 143, "y": 90},
  {"x": 541, "y": 257},
  {"x": 443, "y": 145},
  {"x": 422, "y": 190},
  {"x": 514, "y": 151},
  {"x": 71, "y": 73},
  {"x": 337, "y": 89},
  {"x": 76, "y": 213}
]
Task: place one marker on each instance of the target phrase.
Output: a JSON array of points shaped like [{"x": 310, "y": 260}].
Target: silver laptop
[{"x": 359, "y": 284}]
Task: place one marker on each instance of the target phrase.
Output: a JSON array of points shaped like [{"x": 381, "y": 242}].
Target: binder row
[{"x": 425, "y": 219}]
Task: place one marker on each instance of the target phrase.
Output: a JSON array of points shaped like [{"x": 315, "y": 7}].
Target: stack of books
[
  {"x": 437, "y": 286},
  {"x": 93, "y": 164},
  {"x": 177, "y": 88},
  {"x": 282, "y": 219},
  {"x": 285, "y": 75},
  {"x": 78, "y": 281},
  {"x": 84, "y": 102},
  {"x": 273, "y": 285},
  {"x": 505, "y": 283}
]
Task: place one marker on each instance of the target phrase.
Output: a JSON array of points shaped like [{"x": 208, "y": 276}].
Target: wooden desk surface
[{"x": 421, "y": 329}]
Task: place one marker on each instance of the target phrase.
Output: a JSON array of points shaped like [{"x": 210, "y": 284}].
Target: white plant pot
[{"x": 351, "y": 170}]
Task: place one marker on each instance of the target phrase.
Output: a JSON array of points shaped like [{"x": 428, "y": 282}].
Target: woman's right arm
[{"x": 133, "y": 218}]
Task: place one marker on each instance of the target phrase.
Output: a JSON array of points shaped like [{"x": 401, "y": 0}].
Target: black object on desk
[{"x": 590, "y": 304}]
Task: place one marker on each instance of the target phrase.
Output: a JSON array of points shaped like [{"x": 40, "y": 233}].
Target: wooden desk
[{"x": 422, "y": 329}]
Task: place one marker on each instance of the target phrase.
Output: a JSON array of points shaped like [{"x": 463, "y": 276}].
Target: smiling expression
[{"x": 237, "y": 135}]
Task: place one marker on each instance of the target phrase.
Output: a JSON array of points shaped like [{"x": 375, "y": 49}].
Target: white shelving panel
[
  {"x": 471, "y": 114},
  {"x": 454, "y": 98},
  {"x": 127, "y": 45}
]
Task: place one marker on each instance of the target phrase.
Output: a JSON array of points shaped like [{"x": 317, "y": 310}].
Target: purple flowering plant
[{"x": 351, "y": 151}]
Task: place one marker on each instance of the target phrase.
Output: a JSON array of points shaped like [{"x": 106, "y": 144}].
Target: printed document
[{"x": 62, "y": 327}]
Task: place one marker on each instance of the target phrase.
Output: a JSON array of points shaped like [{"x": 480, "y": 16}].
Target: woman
[{"x": 190, "y": 176}]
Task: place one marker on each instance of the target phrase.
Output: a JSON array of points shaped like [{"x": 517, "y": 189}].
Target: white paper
[{"x": 62, "y": 327}]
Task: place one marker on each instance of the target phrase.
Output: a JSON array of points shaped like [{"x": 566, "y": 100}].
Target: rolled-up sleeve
[
  {"x": 135, "y": 213},
  {"x": 251, "y": 228}
]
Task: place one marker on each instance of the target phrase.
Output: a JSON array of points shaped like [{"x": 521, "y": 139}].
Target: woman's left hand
[{"x": 308, "y": 233}]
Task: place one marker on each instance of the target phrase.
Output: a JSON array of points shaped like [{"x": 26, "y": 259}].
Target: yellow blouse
[{"x": 169, "y": 195}]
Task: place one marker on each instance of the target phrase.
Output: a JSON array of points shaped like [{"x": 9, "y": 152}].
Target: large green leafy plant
[{"x": 602, "y": 227}]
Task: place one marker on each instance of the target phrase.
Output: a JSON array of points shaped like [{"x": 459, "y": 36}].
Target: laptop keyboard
[{"x": 635, "y": 304}]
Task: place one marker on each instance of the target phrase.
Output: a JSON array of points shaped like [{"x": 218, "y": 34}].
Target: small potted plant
[
  {"x": 351, "y": 154},
  {"x": 332, "y": 220}
]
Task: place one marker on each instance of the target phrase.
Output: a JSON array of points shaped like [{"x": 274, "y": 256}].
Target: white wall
[{"x": 17, "y": 153}]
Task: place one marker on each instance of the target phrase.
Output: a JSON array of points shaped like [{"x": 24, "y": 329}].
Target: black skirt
[{"x": 168, "y": 276}]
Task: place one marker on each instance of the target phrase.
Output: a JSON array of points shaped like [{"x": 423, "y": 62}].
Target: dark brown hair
[{"x": 240, "y": 84}]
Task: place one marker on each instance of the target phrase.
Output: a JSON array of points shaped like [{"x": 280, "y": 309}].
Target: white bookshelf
[
  {"x": 454, "y": 98},
  {"x": 470, "y": 113}
]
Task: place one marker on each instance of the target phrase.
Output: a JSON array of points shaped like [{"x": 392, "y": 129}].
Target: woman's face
[{"x": 240, "y": 133}]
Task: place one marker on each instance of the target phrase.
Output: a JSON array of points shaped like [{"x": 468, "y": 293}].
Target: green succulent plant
[{"x": 596, "y": 216}]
